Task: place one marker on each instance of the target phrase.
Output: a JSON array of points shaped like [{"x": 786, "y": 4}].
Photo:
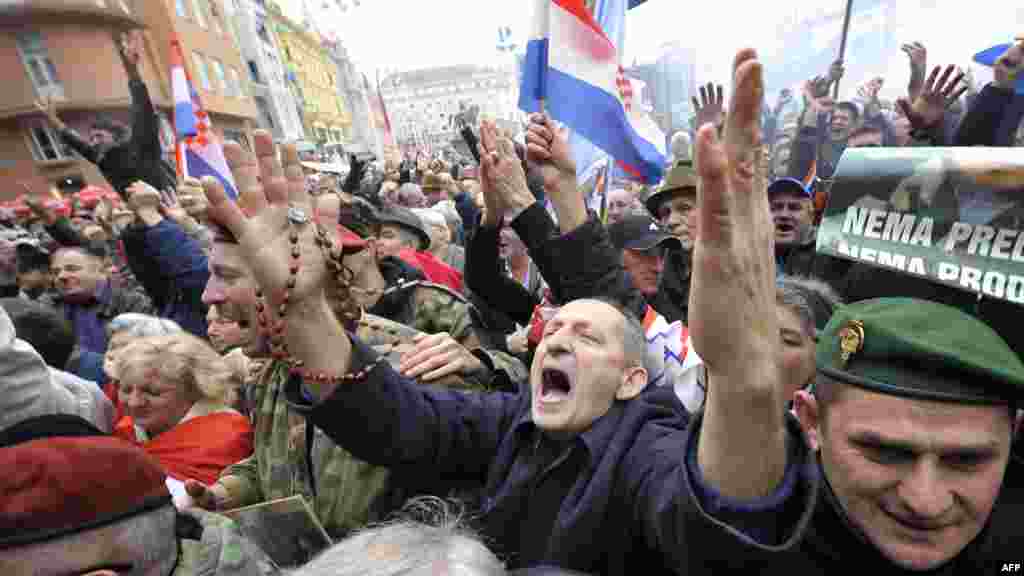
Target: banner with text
[{"x": 951, "y": 215}]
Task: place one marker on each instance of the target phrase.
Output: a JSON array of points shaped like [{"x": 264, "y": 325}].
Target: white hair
[
  {"x": 436, "y": 543},
  {"x": 681, "y": 144},
  {"x": 142, "y": 325}
]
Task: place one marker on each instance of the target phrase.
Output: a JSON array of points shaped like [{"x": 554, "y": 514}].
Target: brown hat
[
  {"x": 57, "y": 486},
  {"x": 681, "y": 179}
]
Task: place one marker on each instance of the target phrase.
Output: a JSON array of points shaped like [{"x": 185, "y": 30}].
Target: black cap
[{"x": 640, "y": 232}]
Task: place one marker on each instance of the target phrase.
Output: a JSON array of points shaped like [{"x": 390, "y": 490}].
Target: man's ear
[
  {"x": 633, "y": 383},
  {"x": 805, "y": 405}
]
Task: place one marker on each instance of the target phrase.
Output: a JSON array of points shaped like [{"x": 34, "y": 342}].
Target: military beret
[
  {"x": 57, "y": 486},
  {"x": 919, "y": 349}
]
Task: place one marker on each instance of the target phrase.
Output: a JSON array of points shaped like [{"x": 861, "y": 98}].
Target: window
[
  {"x": 254, "y": 72},
  {"x": 218, "y": 71},
  {"x": 265, "y": 115},
  {"x": 234, "y": 81},
  {"x": 200, "y": 66},
  {"x": 45, "y": 144},
  {"x": 179, "y": 7},
  {"x": 38, "y": 65},
  {"x": 197, "y": 13}
]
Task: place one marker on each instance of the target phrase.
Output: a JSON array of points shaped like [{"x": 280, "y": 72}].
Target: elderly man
[
  {"x": 290, "y": 457},
  {"x": 644, "y": 247},
  {"x": 674, "y": 206},
  {"x": 66, "y": 510}
]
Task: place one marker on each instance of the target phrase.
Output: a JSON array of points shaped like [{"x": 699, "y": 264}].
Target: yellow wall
[{"x": 316, "y": 75}]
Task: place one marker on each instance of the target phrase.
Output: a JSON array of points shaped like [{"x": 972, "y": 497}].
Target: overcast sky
[{"x": 404, "y": 34}]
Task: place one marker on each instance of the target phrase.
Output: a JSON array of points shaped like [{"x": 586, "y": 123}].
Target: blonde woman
[{"x": 176, "y": 393}]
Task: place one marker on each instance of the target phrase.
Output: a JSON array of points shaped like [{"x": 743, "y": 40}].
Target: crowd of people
[{"x": 464, "y": 368}]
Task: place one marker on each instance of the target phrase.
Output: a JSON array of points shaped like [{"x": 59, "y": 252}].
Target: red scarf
[{"x": 199, "y": 448}]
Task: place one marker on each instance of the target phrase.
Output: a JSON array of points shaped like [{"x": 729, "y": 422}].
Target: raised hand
[
  {"x": 48, "y": 106},
  {"x": 548, "y": 150},
  {"x": 733, "y": 321},
  {"x": 502, "y": 178},
  {"x": 937, "y": 94},
  {"x": 918, "y": 67},
  {"x": 278, "y": 209},
  {"x": 711, "y": 106},
  {"x": 129, "y": 47}
]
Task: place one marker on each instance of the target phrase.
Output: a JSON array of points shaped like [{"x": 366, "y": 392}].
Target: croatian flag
[
  {"x": 573, "y": 67},
  {"x": 671, "y": 360},
  {"x": 199, "y": 151}
]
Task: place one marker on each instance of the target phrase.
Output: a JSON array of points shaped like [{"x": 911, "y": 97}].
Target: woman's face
[
  {"x": 796, "y": 352},
  {"x": 154, "y": 402}
]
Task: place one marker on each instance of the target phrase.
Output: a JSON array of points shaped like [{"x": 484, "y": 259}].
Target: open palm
[{"x": 260, "y": 221}]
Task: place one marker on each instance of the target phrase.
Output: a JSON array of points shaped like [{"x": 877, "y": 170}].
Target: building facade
[
  {"x": 277, "y": 107},
  {"x": 65, "y": 50},
  {"x": 325, "y": 115},
  {"x": 423, "y": 104}
]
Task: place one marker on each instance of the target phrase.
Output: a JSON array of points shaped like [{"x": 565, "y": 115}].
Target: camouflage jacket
[
  {"x": 432, "y": 308},
  {"x": 220, "y": 549},
  {"x": 292, "y": 458}
]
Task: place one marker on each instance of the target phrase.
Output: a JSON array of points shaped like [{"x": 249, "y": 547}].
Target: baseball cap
[
  {"x": 639, "y": 232},
  {"x": 789, "y": 185}
]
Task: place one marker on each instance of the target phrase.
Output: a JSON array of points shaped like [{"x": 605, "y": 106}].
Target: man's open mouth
[
  {"x": 785, "y": 227},
  {"x": 555, "y": 385}
]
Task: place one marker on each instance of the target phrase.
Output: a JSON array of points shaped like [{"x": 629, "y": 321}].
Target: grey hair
[
  {"x": 429, "y": 538},
  {"x": 142, "y": 325},
  {"x": 634, "y": 343},
  {"x": 812, "y": 300},
  {"x": 149, "y": 538}
]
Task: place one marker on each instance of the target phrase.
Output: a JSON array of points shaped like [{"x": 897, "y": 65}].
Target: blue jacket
[
  {"x": 173, "y": 270},
  {"x": 612, "y": 500}
]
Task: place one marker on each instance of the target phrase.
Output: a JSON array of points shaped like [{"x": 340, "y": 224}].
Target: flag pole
[{"x": 842, "y": 44}]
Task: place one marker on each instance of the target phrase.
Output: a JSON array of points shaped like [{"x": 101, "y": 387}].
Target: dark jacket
[
  {"x": 673, "y": 298},
  {"x": 992, "y": 119},
  {"x": 580, "y": 264},
  {"x": 89, "y": 321},
  {"x": 823, "y": 538},
  {"x": 140, "y": 157},
  {"x": 173, "y": 269},
  {"x": 612, "y": 500}
]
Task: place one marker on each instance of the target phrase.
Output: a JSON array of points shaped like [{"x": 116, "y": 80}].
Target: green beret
[{"x": 919, "y": 349}]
